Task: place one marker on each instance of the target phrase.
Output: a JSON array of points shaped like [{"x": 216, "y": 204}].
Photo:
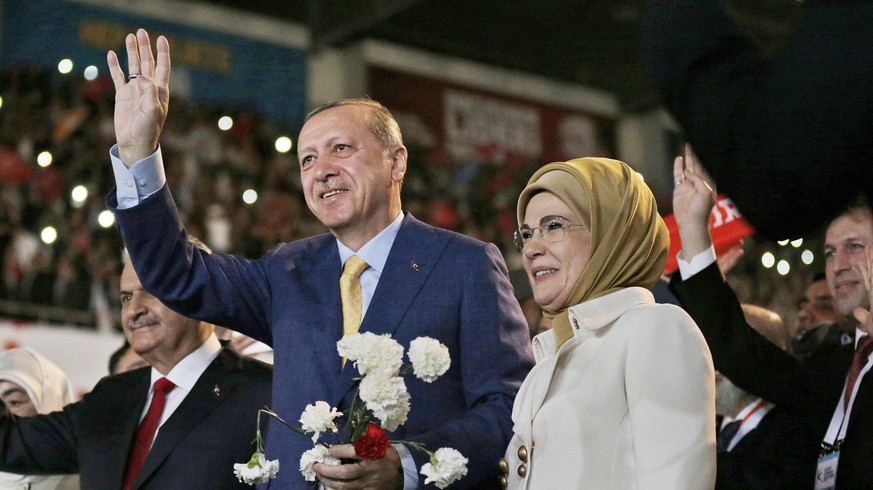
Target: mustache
[
  {"x": 142, "y": 321},
  {"x": 329, "y": 185}
]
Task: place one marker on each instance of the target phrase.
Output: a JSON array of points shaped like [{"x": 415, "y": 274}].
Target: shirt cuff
[
  {"x": 410, "y": 472},
  {"x": 696, "y": 264},
  {"x": 141, "y": 180}
]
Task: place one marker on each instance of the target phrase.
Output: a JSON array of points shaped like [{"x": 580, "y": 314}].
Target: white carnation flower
[
  {"x": 258, "y": 470},
  {"x": 318, "y": 454},
  {"x": 319, "y": 418},
  {"x": 446, "y": 466},
  {"x": 372, "y": 353},
  {"x": 387, "y": 398},
  {"x": 430, "y": 359}
]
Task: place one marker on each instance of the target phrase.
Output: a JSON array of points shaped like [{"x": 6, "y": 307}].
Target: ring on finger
[{"x": 131, "y": 77}]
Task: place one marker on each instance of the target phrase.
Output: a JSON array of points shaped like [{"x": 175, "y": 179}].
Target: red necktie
[
  {"x": 145, "y": 434},
  {"x": 865, "y": 346}
]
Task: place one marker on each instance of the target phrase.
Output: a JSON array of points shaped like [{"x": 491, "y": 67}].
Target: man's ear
[{"x": 399, "y": 156}]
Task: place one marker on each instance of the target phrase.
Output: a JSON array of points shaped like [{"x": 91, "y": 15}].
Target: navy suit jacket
[
  {"x": 435, "y": 283},
  {"x": 779, "y": 454},
  {"x": 196, "y": 447},
  {"x": 810, "y": 389}
]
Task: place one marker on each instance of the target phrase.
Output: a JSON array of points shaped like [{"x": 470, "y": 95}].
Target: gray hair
[{"x": 382, "y": 123}]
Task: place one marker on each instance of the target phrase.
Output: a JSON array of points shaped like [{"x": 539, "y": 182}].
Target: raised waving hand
[
  {"x": 141, "y": 98},
  {"x": 693, "y": 198}
]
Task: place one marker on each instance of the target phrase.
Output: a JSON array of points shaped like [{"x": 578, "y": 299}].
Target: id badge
[{"x": 826, "y": 471}]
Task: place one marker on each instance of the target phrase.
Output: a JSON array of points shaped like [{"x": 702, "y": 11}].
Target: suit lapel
[
  {"x": 320, "y": 300},
  {"x": 127, "y": 410},
  {"x": 412, "y": 258},
  {"x": 213, "y": 387}
]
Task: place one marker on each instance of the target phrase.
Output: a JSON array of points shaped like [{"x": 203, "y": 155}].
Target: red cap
[{"x": 726, "y": 226}]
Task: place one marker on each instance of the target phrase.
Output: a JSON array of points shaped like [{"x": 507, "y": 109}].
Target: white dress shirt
[{"x": 184, "y": 375}]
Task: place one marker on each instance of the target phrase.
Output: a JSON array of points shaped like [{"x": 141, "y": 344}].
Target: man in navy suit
[
  {"x": 420, "y": 281},
  {"x": 206, "y": 425}
]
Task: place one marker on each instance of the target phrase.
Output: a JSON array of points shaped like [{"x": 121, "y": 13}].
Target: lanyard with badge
[{"x": 829, "y": 458}]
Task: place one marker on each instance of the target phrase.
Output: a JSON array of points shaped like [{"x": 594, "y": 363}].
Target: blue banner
[{"x": 207, "y": 66}]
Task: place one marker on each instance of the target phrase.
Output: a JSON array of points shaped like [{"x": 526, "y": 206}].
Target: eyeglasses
[{"x": 553, "y": 229}]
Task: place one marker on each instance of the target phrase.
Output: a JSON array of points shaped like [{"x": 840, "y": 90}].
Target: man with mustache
[
  {"x": 412, "y": 280},
  {"x": 831, "y": 389},
  {"x": 119, "y": 437}
]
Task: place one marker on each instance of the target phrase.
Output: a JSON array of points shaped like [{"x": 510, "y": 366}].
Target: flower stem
[{"x": 286, "y": 424}]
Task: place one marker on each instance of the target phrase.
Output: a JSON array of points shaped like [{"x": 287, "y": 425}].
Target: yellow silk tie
[{"x": 351, "y": 295}]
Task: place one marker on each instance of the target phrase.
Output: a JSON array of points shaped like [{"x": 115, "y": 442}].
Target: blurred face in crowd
[
  {"x": 553, "y": 267},
  {"x": 129, "y": 361},
  {"x": 159, "y": 335},
  {"x": 815, "y": 309},
  {"x": 16, "y": 400},
  {"x": 350, "y": 181},
  {"x": 846, "y": 240}
]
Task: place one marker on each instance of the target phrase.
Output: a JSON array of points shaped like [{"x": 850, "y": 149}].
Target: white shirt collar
[
  {"x": 750, "y": 417},
  {"x": 187, "y": 371},
  {"x": 765, "y": 407},
  {"x": 858, "y": 334},
  {"x": 375, "y": 252}
]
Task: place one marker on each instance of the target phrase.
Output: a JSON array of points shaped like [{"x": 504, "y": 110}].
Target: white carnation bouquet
[{"x": 381, "y": 397}]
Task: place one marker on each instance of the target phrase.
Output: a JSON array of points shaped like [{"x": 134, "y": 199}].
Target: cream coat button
[
  {"x": 522, "y": 470},
  {"x": 522, "y": 454}
]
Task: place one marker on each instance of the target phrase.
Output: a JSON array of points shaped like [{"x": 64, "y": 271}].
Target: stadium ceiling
[{"x": 594, "y": 43}]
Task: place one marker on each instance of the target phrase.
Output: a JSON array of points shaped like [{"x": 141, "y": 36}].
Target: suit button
[
  {"x": 503, "y": 481},
  {"x": 522, "y": 454},
  {"x": 504, "y": 466},
  {"x": 522, "y": 470}
]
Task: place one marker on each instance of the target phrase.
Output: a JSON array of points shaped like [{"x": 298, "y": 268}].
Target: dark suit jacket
[
  {"x": 810, "y": 389},
  {"x": 435, "y": 283},
  {"x": 775, "y": 130},
  {"x": 779, "y": 454},
  {"x": 196, "y": 447}
]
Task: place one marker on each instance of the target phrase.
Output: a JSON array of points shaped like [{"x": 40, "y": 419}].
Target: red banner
[{"x": 457, "y": 123}]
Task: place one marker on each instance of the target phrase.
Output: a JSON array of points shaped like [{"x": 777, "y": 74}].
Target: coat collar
[
  {"x": 588, "y": 317},
  {"x": 317, "y": 268},
  {"x": 127, "y": 410}
]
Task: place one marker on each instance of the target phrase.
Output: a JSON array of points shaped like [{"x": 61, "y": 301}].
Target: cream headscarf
[
  {"x": 48, "y": 388},
  {"x": 629, "y": 241}
]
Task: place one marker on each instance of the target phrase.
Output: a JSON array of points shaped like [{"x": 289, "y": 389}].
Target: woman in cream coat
[{"x": 622, "y": 395}]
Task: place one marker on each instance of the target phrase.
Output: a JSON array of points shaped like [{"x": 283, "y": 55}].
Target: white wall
[
  {"x": 642, "y": 143},
  {"x": 338, "y": 73},
  {"x": 82, "y": 354}
]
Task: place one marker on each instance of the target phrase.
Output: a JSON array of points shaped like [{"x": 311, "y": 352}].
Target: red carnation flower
[{"x": 373, "y": 444}]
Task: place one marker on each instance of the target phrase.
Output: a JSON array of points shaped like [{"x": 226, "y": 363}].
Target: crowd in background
[{"x": 74, "y": 279}]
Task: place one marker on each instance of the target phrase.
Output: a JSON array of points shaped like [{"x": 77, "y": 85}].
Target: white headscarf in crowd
[{"x": 48, "y": 389}]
